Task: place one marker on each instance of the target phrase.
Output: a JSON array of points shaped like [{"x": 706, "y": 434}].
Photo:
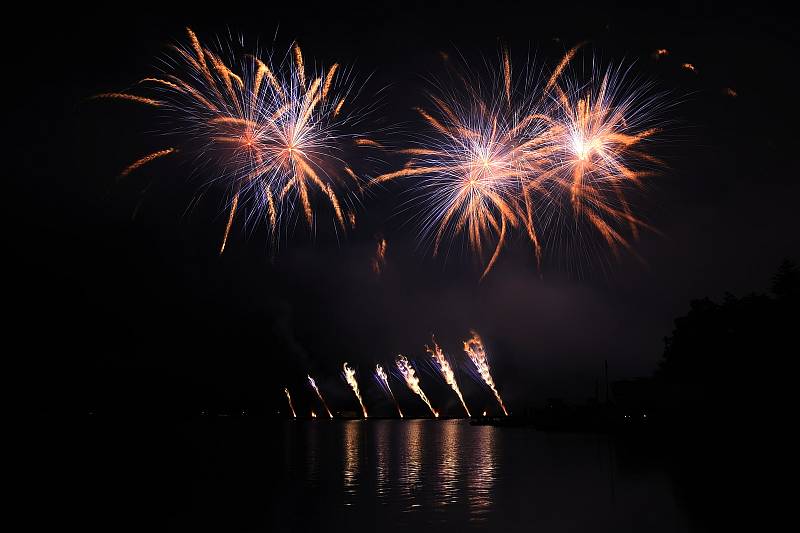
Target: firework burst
[
  {"x": 599, "y": 131},
  {"x": 410, "y": 375},
  {"x": 319, "y": 394},
  {"x": 276, "y": 137},
  {"x": 383, "y": 379},
  {"x": 446, "y": 370},
  {"x": 484, "y": 141},
  {"x": 477, "y": 354},
  {"x": 350, "y": 376},
  {"x": 504, "y": 155}
]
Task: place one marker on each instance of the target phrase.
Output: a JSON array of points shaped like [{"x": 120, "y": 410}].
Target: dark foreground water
[
  {"x": 376, "y": 476},
  {"x": 450, "y": 476}
]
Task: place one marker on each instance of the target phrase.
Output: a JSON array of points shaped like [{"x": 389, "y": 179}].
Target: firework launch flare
[
  {"x": 319, "y": 395},
  {"x": 350, "y": 376},
  {"x": 446, "y": 370},
  {"x": 291, "y": 405},
  {"x": 384, "y": 379},
  {"x": 477, "y": 354},
  {"x": 405, "y": 368}
]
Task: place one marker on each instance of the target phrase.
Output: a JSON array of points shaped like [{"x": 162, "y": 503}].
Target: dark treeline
[
  {"x": 725, "y": 366},
  {"x": 728, "y": 362},
  {"x": 722, "y": 397}
]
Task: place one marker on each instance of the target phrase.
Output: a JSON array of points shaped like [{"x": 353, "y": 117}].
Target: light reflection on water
[
  {"x": 352, "y": 445},
  {"x": 418, "y": 464},
  {"x": 382, "y": 460},
  {"x": 392, "y": 475},
  {"x": 312, "y": 447},
  {"x": 448, "y": 471},
  {"x": 482, "y": 473},
  {"x": 411, "y": 464}
]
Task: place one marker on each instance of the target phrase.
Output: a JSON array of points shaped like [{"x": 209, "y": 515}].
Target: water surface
[{"x": 447, "y": 475}]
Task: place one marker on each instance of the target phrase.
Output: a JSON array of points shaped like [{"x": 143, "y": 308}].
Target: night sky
[{"x": 123, "y": 299}]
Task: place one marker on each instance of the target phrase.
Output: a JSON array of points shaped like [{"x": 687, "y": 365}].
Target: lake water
[
  {"x": 251, "y": 474},
  {"x": 428, "y": 475}
]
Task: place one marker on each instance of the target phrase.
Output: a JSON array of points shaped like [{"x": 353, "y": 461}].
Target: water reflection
[
  {"x": 382, "y": 460},
  {"x": 312, "y": 454},
  {"x": 411, "y": 463},
  {"x": 413, "y": 475},
  {"x": 352, "y": 445},
  {"x": 447, "y": 490},
  {"x": 482, "y": 473}
]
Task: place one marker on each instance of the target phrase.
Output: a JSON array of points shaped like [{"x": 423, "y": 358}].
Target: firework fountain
[
  {"x": 350, "y": 376},
  {"x": 383, "y": 379},
  {"x": 446, "y": 370},
  {"x": 477, "y": 354},
  {"x": 291, "y": 405},
  {"x": 319, "y": 394},
  {"x": 409, "y": 374}
]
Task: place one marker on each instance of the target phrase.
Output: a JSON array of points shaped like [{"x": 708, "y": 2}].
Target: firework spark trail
[
  {"x": 146, "y": 159},
  {"x": 412, "y": 381},
  {"x": 350, "y": 376},
  {"x": 477, "y": 354},
  {"x": 447, "y": 372},
  {"x": 129, "y": 97},
  {"x": 291, "y": 405},
  {"x": 379, "y": 260},
  {"x": 276, "y": 137},
  {"x": 384, "y": 379},
  {"x": 659, "y": 53},
  {"x": 319, "y": 394}
]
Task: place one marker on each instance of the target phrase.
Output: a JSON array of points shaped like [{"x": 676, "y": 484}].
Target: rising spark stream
[
  {"x": 447, "y": 372},
  {"x": 412, "y": 381},
  {"x": 477, "y": 354},
  {"x": 291, "y": 405},
  {"x": 384, "y": 379},
  {"x": 319, "y": 394},
  {"x": 350, "y": 376}
]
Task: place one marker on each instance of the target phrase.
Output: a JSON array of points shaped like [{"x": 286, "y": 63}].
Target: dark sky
[{"x": 126, "y": 310}]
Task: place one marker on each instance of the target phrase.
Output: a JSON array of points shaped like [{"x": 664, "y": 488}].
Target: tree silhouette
[
  {"x": 728, "y": 362},
  {"x": 786, "y": 282}
]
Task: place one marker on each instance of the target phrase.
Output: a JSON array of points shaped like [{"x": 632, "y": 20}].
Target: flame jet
[
  {"x": 477, "y": 353},
  {"x": 446, "y": 370},
  {"x": 316, "y": 389},
  {"x": 384, "y": 379},
  {"x": 291, "y": 405},
  {"x": 412, "y": 381},
  {"x": 350, "y": 376}
]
